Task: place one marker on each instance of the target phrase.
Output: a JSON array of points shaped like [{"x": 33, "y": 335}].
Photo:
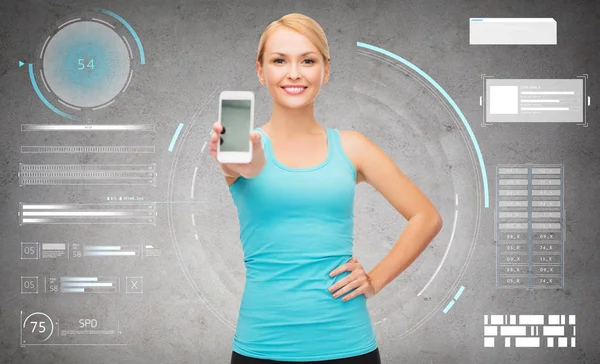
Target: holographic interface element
[
  {"x": 530, "y": 226},
  {"x": 535, "y": 100},
  {"x": 85, "y": 62},
  {"x": 529, "y": 331}
]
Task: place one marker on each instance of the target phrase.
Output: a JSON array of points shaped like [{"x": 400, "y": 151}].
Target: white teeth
[{"x": 294, "y": 90}]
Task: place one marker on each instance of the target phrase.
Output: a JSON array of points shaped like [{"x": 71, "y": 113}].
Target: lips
[{"x": 293, "y": 90}]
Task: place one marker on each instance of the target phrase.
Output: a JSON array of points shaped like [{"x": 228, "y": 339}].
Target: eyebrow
[{"x": 303, "y": 54}]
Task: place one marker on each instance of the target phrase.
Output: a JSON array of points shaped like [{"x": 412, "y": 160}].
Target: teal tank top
[{"x": 296, "y": 226}]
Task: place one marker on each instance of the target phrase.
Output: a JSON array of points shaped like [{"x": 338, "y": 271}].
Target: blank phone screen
[{"x": 235, "y": 118}]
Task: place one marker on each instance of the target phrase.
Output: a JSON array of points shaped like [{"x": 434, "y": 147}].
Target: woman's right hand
[{"x": 246, "y": 170}]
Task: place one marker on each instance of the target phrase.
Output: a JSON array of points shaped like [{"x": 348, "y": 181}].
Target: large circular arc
[
  {"x": 185, "y": 132},
  {"x": 450, "y": 101},
  {"x": 452, "y": 289}
]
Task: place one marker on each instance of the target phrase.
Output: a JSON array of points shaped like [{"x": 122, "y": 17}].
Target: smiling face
[{"x": 293, "y": 68}]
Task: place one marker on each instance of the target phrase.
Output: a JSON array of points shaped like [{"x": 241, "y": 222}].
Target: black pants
[{"x": 368, "y": 358}]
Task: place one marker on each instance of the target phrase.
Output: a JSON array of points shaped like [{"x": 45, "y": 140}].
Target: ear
[
  {"x": 327, "y": 71},
  {"x": 259, "y": 72}
]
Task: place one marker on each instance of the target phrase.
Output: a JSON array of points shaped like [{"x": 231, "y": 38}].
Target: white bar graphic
[
  {"x": 522, "y": 215},
  {"x": 490, "y": 331},
  {"x": 554, "y": 330},
  {"x": 46, "y": 207},
  {"x": 517, "y": 170},
  {"x": 527, "y": 342},
  {"x": 519, "y": 226},
  {"x": 78, "y": 279},
  {"x": 543, "y": 204},
  {"x": 82, "y": 284},
  {"x": 571, "y": 319},
  {"x": 65, "y": 127},
  {"x": 512, "y": 203},
  {"x": 513, "y": 182},
  {"x": 513, "y": 319},
  {"x": 536, "y": 101},
  {"x": 531, "y": 319},
  {"x": 99, "y": 254},
  {"x": 545, "y": 108},
  {"x": 547, "y": 92},
  {"x": 57, "y": 246},
  {"x": 562, "y": 342},
  {"x": 546, "y": 182},
  {"x": 507, "y": 342},
  {"x": 497, "y": 320},
  {"x": 488, "y": 342},
  {"x": 550, "y": 342},
  {"x": 102, "y": 247},
  {"x": 553, "y": 320},
  {"x": 80, "y": 213},
  {"x": 512, "y": 31},
  {"x": 542, "y": 226},
  {"x": 513, "y": 192},
  {"x": 573, "y": 342}
]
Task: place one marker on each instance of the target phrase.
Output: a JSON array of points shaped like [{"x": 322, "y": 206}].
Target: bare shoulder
[
  {"x": 352, "y": 140},
  {"x": 356, "y": 146},
  {"x": 377, "y": 169}
]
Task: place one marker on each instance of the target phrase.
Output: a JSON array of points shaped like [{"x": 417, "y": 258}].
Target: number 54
[{"x": 82, "y": 65}]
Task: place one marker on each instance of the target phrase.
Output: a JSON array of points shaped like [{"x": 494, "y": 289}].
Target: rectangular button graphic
[{"x": 512, "y": 31}]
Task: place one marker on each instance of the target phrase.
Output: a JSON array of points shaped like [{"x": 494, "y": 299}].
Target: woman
[{"x": 305, "y": 295}]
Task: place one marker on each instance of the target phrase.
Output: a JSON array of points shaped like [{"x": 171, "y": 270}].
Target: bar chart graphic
[
  {"x": 529, "y": 331},
  {"x": 530, "y": 232},
  {"x": 92, "y": 213},
  {"x": 89, "y": 127},
  {"x": 85, "y": 284},
  {"x": 63, "y": 250},
  {"x": 111, "y": 250},
  {"x": 87, "y": 174}
]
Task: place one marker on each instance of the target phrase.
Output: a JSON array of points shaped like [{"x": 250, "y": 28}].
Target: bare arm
[{"x": 424, "y": 221}]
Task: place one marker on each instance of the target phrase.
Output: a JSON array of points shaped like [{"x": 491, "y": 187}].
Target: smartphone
[{"x": 236, "y": 115}]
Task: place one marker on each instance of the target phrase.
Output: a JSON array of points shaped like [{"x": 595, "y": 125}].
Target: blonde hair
[{"x": 301, "y": 24}]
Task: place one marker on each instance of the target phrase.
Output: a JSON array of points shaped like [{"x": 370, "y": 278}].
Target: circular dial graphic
[
  {"x": 37, "y": 327},
  {"x": 86, "y": 64}
]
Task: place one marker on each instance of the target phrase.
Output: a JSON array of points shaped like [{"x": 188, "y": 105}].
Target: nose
[{"x": 294, "y": 73}]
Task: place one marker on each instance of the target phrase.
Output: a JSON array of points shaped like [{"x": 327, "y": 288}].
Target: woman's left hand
[{"x": 358, "y": 280}]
